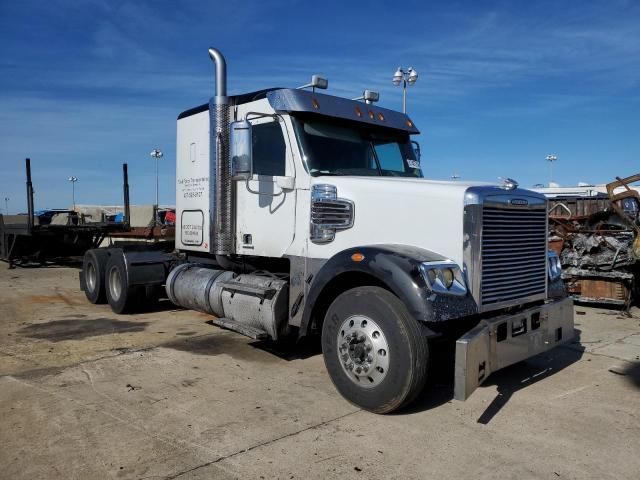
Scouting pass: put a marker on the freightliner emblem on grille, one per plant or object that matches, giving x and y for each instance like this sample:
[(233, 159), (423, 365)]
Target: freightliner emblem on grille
[(519, 201)]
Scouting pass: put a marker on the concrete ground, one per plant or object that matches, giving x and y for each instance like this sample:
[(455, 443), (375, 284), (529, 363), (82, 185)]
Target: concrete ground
[(85, 394)]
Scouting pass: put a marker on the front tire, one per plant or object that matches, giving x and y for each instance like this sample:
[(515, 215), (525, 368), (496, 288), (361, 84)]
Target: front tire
[(122, 298), (375, 352)]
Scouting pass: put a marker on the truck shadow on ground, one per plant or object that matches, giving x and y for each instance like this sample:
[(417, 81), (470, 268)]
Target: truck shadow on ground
[(79, 328), (306, 347), (240, 346), (157, 306), (516, 377), (231, 344), (63, 262), (439, 389), (508, 380), (632, 373)]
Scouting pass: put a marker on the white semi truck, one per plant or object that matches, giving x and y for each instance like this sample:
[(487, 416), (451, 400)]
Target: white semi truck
[(302, 213)]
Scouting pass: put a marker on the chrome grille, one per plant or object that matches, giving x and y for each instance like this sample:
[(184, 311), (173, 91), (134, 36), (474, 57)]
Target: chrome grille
[(332, 214), (514, 250)]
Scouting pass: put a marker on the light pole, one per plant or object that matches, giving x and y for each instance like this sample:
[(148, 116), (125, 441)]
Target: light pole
[(73, 181), (157, 154), (551, 158), (6, 205), (408, 76)]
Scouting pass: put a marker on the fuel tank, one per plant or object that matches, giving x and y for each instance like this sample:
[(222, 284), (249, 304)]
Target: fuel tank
[(258, 301)]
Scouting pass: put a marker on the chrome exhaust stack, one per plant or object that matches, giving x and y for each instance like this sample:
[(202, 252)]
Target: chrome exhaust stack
[(221, 209)]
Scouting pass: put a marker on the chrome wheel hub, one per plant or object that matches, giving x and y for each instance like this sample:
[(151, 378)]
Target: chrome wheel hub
[(91, 277), (363, 351), (115, 284)]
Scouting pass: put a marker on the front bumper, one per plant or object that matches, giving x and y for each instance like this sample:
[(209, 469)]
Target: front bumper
[(502, 341)]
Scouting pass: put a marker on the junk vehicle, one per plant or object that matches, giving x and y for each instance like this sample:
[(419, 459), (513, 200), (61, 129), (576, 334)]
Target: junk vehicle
[(300, 213), (598, 239)]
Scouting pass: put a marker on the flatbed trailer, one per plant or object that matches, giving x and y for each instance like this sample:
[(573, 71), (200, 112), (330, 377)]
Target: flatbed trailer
[(24, 238)]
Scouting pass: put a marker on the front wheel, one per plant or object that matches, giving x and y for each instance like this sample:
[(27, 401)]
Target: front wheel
[(375, 352)]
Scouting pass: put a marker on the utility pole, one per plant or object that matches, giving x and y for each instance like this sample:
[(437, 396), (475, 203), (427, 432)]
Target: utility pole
[(408, 76), (73, 181), (157, 154)]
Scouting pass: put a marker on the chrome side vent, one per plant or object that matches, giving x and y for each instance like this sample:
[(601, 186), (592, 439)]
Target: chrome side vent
[(329, 213)]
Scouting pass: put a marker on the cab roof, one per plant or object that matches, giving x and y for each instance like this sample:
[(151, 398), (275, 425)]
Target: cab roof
[(305, 101)]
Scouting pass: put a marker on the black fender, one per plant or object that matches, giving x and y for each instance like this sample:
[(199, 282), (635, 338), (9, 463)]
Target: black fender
[(397, 268), (148, 267)]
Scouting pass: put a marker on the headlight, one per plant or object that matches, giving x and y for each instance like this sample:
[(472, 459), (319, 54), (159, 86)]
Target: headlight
[(448, 276), (555, 268), (444, 277)]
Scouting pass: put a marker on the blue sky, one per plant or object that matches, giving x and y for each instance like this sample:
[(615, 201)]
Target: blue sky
[(86, 84)]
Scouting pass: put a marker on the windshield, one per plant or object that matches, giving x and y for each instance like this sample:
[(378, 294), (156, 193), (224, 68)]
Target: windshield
[(346, 148)]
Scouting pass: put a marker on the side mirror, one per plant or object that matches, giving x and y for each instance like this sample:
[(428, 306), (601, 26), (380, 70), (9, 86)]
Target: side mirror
[(416, 148), (240, 150)]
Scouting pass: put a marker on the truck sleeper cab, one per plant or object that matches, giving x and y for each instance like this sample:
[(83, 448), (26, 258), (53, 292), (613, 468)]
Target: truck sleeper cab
[(302, 213)]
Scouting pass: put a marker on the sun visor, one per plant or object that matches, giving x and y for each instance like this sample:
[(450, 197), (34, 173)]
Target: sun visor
[(296, 100)]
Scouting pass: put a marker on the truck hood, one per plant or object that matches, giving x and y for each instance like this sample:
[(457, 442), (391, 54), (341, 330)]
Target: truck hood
[(407, 211)]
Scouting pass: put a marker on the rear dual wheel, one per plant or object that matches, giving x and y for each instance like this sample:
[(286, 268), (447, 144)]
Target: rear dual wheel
[(93, 268), (375, 352), (122, 297)]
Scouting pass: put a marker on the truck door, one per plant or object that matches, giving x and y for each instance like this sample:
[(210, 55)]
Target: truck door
[(265, 215)]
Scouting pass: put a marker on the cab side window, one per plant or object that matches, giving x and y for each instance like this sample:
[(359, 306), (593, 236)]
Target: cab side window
[(269, 149), (389, 156)]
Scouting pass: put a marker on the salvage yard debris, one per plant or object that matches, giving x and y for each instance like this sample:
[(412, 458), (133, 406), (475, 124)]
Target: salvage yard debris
[(598, 241)]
